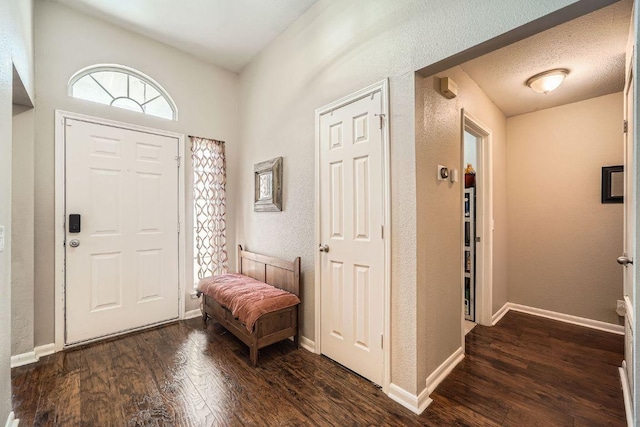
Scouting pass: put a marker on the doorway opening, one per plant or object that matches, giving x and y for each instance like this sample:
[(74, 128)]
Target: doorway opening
[(546, 152), (477, 214)]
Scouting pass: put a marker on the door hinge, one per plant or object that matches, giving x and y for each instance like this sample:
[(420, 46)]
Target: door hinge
[(625, 126), (382, 231), (381, 341), (179, 160), (178, 227), (381, 117)]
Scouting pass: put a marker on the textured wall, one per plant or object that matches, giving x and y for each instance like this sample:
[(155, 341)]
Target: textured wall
[(67, 41), (22, 268), (22, 46), (6, 71), (563, 243), (16, 47), (335, 48), (439, 141), (22, 212)]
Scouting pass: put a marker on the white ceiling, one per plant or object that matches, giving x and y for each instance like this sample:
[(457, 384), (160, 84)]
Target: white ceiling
[(591, 47), (228, 33)]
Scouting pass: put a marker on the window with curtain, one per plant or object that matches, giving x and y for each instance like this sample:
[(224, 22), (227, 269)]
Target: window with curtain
[(209, 207)]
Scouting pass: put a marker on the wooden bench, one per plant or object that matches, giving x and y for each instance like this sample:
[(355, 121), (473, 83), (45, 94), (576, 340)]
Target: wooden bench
[(271, 327)]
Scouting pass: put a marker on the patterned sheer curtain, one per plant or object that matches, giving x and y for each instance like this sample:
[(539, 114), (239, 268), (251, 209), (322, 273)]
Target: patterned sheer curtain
[(209, 207)]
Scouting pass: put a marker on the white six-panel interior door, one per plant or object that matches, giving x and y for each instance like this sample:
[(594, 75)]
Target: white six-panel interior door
[(124, 272), (630, 242), (629, 229), (352, 241)]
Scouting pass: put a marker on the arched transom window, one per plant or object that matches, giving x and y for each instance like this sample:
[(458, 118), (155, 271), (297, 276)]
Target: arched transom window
[(123, 87)]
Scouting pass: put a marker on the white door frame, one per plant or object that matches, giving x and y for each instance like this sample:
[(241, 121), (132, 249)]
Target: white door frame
[(59, 184), (635, 298), (484, 229), (383, 88)]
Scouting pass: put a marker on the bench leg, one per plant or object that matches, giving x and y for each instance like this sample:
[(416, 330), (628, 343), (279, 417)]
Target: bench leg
[(253, 354), (203, 310), (296, 340)]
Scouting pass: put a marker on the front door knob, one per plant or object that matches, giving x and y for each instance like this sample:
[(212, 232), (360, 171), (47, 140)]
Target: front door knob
[(74, 243), (324, 248), (624, 260)]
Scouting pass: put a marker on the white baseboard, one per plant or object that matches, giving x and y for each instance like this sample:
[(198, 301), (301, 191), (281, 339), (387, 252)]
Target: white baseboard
[(45, 350), (443, 370), (12, 421), (192, 314), (416, 404), (500, 314), (32, 356), (307, 344), (626, 392), (419, 403), (628, 311), (567, 318), (24, 359)]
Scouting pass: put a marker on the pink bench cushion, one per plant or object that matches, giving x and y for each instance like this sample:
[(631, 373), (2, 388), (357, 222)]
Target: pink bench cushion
[(246, 298)]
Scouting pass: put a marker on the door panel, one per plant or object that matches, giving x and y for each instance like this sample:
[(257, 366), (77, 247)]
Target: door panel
[(629, 222), (630, 213), (352, 271), (629, 190), (124, 272)]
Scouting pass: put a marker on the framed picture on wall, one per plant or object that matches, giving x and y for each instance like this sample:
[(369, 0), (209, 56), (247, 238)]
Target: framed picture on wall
[(612, 184), (268, 186)]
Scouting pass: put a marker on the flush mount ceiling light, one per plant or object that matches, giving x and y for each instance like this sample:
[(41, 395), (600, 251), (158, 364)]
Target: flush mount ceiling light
[(547, 81)]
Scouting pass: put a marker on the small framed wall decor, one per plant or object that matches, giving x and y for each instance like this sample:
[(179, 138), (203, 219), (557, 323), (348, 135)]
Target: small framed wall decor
[(612, 184), (268, 186)]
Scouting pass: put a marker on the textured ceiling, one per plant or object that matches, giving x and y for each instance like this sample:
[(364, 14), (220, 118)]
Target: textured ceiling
[(228, 33), (591, 47)]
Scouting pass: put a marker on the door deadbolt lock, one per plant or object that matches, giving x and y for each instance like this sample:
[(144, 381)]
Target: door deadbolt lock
[(74, 243), (74, 223), (324, 248)]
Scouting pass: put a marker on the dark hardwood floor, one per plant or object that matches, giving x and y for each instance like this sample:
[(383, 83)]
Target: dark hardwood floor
[(524, 371)]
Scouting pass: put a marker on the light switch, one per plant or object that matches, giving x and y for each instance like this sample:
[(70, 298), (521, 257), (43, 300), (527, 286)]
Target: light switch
[(1, 239)]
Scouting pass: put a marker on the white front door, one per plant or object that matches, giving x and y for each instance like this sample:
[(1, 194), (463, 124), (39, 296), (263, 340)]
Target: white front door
[(352, 243), (122, 267)]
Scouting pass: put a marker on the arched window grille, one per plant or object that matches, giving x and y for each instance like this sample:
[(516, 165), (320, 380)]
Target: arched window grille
[(123, 87)]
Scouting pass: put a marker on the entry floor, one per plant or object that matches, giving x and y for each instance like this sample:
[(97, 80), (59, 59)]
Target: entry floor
[(524, 371)]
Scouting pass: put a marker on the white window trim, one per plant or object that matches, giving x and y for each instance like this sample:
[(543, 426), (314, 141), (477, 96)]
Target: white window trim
[(126, 70)]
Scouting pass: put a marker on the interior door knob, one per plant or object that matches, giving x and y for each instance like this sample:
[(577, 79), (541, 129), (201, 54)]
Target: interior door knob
[(624, 260), (324, 248)]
